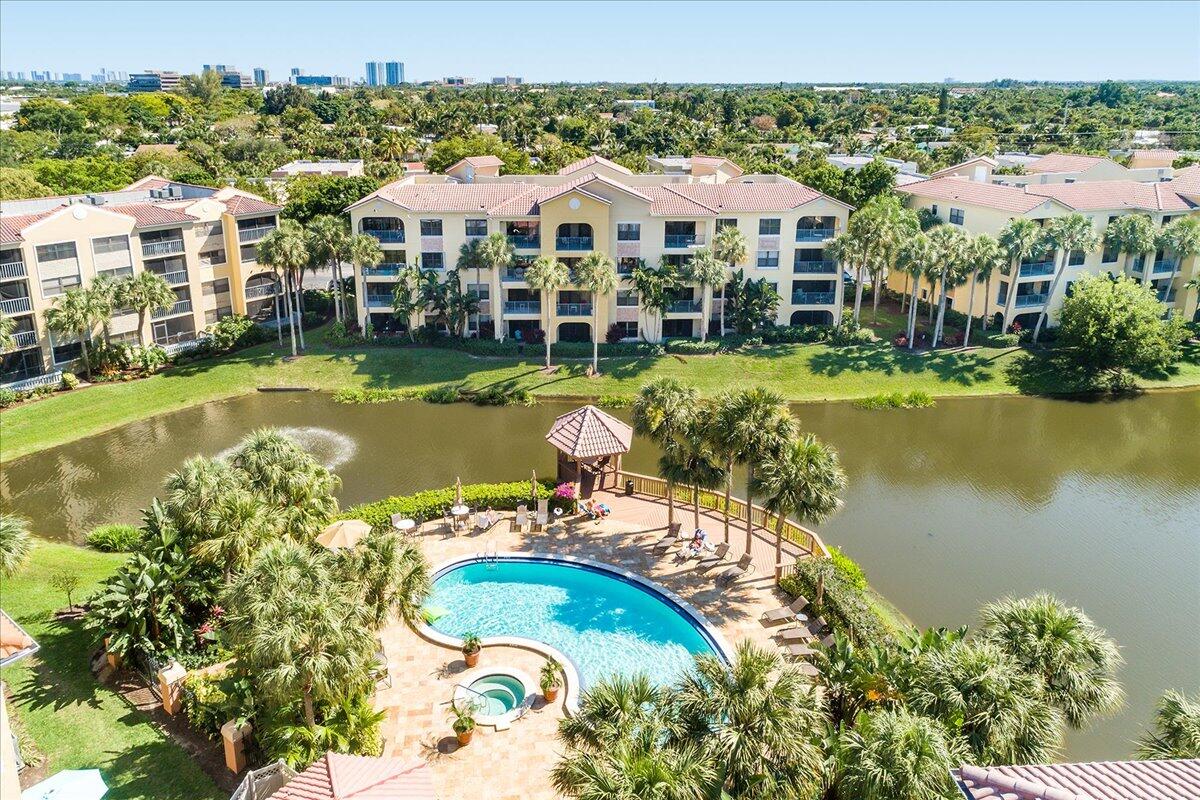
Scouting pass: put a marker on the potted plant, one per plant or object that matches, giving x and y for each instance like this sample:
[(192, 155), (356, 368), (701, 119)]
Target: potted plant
[(551, 680), (464, 722), (470, 649)]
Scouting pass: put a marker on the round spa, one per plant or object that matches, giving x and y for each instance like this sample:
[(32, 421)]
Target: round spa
[(497, 695)]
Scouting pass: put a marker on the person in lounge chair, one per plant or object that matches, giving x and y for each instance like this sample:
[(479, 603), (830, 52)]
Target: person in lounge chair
[(491, 516), (696, 547)]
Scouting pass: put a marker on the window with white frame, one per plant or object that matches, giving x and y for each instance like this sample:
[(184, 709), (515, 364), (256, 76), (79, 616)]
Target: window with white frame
[(431, 227), (768, 227), (475, 227), (211, 258), (768, 259), (629, 231)]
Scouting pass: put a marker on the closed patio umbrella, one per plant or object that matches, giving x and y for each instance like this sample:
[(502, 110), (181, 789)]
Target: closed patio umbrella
[(457, 491), (70, 784), (533, 485), (344, 534)]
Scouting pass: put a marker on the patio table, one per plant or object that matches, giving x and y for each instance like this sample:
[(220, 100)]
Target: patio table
[(459, 512), (406, 525)]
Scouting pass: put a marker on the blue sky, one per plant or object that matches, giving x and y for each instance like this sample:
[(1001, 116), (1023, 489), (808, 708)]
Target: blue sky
[(686, 41)]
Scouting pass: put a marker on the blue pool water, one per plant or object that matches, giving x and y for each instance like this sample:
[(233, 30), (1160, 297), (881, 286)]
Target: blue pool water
[(604, 624)]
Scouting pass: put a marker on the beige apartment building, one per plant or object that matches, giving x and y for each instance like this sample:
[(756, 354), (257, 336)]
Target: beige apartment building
[(982, 207), (598, 205), (201, 240), (1059, 168)]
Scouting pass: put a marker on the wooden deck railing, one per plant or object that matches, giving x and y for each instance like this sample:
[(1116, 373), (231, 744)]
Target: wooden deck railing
[(651, 486)]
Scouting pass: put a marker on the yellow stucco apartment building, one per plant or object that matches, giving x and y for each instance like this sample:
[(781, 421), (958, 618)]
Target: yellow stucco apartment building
[(598, 205), (201, 240)]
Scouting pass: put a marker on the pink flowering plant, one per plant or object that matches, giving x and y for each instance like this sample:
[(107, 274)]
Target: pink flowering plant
[(565, 491)]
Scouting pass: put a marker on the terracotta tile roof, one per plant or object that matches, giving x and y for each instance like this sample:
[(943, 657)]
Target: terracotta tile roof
[(11, 227), (244, 204), (477, 161), (1157, 152), (734, 197), (584, 163), (589, 433), (147, 214), (991, 195), (667, 202), (717, 161), (591, 177), (1186, 181), (341, 777), (1106, 195), (148, 182), (479, 197), (1098, 780), (1064, 162)]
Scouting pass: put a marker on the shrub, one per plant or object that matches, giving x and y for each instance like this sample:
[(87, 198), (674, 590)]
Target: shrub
[(339, 336), (900, 340), (752, 341), (536, 336), (615, 401), (914, 399), (364, 396), (504, 394), (797, 334), (614, 334), (848, 568), (431, 503), (8, 397), (212, 699), (850, 334), (442, 395), (693, 347), (1002, 340), (114, 538), (148, 359), (69, 381), (844, 606), (233, 333)]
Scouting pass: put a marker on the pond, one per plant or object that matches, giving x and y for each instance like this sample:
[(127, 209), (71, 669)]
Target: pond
[(948, 508)]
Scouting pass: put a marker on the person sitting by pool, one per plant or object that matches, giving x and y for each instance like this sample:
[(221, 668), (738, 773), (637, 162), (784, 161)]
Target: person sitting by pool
[(696, 546), (596, 510), (491, 516)]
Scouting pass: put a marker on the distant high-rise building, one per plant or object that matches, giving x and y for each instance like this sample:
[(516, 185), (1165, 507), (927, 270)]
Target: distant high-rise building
[(375, 75), (261, 76), (508, 80), (296, 72), (75, 77), (456, 80), (320, 80), (394, 73), (385, 73), (153, 81)]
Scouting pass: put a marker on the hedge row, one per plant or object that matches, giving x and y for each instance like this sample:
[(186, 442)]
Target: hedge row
[(433, 502), (844, 605)]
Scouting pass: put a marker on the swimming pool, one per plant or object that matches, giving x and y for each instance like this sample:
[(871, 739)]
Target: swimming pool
[(604, 622)]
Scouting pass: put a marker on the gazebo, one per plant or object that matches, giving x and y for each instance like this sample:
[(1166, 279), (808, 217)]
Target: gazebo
[(590, 444)]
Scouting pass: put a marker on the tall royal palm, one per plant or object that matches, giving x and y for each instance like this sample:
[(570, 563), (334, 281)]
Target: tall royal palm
[(469, 259), (145, 292), (1131, 235), (730, 247), (77, 312), (886, 227), (950, 243), (802, 479), (361, 250), (984, 256), (664, 410), (852, 248), (547, 274), (653, 287), (707, 270), (763, 426), (597, 273), (1182, 237), (1066, 235), (1021, 239), (496, 254), (285, 251), (916, 258), (692, 460)]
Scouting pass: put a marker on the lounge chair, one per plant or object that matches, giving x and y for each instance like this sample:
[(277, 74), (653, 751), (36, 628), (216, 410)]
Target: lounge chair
[(713, 559), (808, 669), (543, 514), (744, 567), (669, 539), (522, 518), (828, 641), (799, 650), (786, 613), (794, 635)]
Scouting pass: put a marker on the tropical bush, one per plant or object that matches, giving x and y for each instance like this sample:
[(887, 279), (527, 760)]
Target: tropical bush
[(615, 401), (913, 399), (1176, 732), (351, 726), (848, 568), (1005, 340), (369, 395), (431, 503), (210, 699), (114, 538), (8, 398), (504, 394), (614, 334), (843, 604), (15, 543), (234, 333), (693, 347), (69, 381), (442, 395)]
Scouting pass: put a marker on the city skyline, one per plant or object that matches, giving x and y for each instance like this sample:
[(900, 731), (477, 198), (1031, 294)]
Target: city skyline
[(774, 42)]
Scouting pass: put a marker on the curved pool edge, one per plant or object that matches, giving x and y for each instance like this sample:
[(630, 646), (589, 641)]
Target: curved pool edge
[(571, 688)]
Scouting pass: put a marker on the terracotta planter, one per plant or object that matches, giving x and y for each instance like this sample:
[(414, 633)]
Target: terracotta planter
[(464, 738), (472, 658), (551, 694)]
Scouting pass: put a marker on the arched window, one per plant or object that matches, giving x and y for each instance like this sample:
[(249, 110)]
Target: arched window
[(573, 236)]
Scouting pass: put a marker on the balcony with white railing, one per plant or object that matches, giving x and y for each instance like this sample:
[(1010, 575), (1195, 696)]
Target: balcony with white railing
[(264, 290), (379, 301), (573, 242), (174, 278), (812, 298), (813, 234), (25, 384), (685, 307), (1027, 300), (383, 271), (682, 240), (522, 307), (574, 309), (254, 234), (12, 269), (1036, 269), (180, 307), (16, 305), (815, 267), (24, 339), (165, 247), (1166, 266)]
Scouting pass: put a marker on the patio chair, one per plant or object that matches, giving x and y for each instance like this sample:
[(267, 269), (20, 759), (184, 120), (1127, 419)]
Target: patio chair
[(714, 558), (744, 567), (786, 613), (799, 650), (808, 669), (669, 539), (521, 519), (481, 522), (795, 635), (828, 641), (543, 514)]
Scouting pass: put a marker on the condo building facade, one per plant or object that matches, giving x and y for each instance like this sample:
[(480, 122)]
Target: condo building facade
[(966, 196), (598, 205), (201, 240)]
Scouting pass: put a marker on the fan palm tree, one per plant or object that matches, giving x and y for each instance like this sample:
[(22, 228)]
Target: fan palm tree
[(468, 258), (392, 576), (1176, 731), (77, 312), (547, 274), (801, 479), (886, 227), (597, 273), (7, 326), (664, 409), (496, 254), (244, 525), (362, 250), (1075, 659), (1129, 235), (145, 292), (611, 710), (654, 287), (916, 258), (406, 297), (328, 239), (691, 460), (762, 425), (983, 257), (194, 493), (300, 490), (103, 290), (707, 270), (1065, 234), (755, 717), (895, 755), (15, 543), (1183, 237), (730, 247), (285, 251), (1020, 240)]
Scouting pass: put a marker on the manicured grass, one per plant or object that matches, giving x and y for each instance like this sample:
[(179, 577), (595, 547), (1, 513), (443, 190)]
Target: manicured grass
[(799, 372), (74, 721)]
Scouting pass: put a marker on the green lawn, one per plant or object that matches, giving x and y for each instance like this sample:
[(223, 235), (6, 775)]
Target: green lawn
[(74, 721), (800, 372)]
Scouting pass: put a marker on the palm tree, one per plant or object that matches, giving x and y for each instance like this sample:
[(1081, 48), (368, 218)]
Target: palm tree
[(729, 246), (194, 493), (392, 576), (77, 312), (406, 299), (950, 244), (103, 290), (852, 247), (1074, 658), (362, 250), (1132, 234), (1021, 239), (802, 479), (664, 409), (145, 292), (692, 460), (328, 238), (7, 326), (1065, 234), (983, 257), (1183, 237), (707, 270), (654, 287), (886, 227), (611, 710), (286, 251), (1176, 731), (916, 258), (468, 258), (895, 755), (243, 524), (762, 426), (300, 490), (755, 717), (15, 543), (299, 630), (547, 274), (597, 273), (495, 253)]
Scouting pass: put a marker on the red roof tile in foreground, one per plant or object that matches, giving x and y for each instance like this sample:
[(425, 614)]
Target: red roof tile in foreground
[(147, 214), (590, 433), (1063, 162), (591, 161), (1098, 780), (1186, 181), (11, 227), (991, 195), (341, 777), (1112, 195)]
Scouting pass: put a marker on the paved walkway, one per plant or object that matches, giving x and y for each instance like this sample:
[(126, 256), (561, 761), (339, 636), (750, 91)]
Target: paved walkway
[(515, 763)]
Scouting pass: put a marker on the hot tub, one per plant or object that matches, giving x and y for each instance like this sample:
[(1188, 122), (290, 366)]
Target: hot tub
[(498, 694)]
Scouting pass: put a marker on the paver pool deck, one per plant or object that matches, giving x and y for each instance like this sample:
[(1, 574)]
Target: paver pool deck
[(515, 763)]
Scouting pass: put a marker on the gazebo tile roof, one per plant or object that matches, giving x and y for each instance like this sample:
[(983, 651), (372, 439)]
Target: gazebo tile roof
[(589, 433)]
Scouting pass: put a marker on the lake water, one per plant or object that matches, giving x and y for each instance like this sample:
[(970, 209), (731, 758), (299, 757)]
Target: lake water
[(947, 508)]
